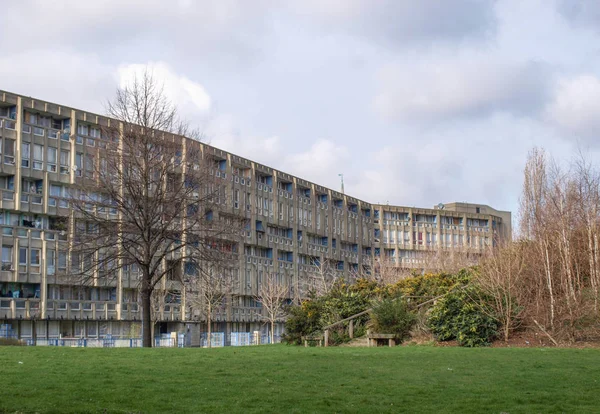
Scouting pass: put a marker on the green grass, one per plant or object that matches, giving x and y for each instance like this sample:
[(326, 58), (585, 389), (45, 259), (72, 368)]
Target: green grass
[(300, 380)]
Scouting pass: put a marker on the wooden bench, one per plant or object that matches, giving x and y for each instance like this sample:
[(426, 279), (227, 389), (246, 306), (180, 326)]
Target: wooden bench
[(374, 338), (312, 338)]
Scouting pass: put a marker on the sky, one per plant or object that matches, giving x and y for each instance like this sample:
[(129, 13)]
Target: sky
[(414, 102)]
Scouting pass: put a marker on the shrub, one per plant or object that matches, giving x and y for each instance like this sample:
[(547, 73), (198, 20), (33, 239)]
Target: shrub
[(342, 301), (430, 284), (302, 320), (392, 316), (11, 342), (459, 316)]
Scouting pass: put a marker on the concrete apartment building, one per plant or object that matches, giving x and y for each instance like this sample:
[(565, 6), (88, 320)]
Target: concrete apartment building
[(294, 223), (408, 237)]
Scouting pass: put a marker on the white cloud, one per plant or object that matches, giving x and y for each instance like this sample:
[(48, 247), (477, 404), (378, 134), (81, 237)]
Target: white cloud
[(138, 29), (321, 162), (473, 160), (297, 82), (191, 98), (224, 132), (583, 12), (459, 87), (576, 108), (22, 73), (402, 23)]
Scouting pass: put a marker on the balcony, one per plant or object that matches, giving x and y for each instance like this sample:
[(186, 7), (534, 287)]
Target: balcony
[(8, 195), (130, 311), (8, 124), (246, 314), (81, 309), (19, 308)]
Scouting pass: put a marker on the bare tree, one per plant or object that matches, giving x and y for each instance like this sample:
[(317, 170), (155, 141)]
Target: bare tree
[(533, 216), (322, 278), (272, 295), (589, 211), (559, 225), (145, 196), (387, 272), (501, 279), (208, 288)]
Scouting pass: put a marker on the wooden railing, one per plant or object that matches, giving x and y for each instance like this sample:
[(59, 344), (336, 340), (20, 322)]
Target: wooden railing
[(350, 319)]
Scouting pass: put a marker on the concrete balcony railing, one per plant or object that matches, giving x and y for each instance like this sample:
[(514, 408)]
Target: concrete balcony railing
[(33, 233), (169, 312), (79, 309), (130, 311), (246, 314), (19, 308)]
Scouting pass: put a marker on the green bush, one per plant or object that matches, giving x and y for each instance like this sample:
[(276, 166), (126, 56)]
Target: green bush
[(11, 342), (459, 316), (342, 301), (430, 284), (392, 316), (302, 320)]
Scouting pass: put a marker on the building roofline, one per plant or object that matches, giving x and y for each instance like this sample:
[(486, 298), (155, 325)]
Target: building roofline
[(71, 108)]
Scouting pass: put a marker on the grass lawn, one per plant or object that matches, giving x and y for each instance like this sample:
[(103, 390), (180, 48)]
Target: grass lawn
[(300, 380)]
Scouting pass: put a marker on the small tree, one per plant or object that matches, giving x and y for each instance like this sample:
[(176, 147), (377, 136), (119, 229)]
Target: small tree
[(500, 280), (272, 295), (323, 277), (208, 288), (392, 316), (387, 272)]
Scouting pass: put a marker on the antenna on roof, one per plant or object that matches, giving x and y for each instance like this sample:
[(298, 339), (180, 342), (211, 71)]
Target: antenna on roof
[(342, 181)]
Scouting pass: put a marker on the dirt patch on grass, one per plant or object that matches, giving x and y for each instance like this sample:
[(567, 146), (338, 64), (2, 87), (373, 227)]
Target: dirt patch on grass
[(523, 340)]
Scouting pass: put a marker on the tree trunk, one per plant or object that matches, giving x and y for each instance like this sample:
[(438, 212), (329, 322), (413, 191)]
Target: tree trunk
[(549, 281), (272, 331), (209, 327), (146, 318)]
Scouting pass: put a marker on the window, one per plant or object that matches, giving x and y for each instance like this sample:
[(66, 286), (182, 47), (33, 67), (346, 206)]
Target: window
[(7, 257), (9, 151), (25, 153), (65, 161), (50, 262), (38, 156), (23, 256), (35, 260), (51, 160), (62, 260), (78, 164), (31, 118), (38, 131), (8, 183), (82, 129), (55, 190), (89, 165), (248, 278)]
